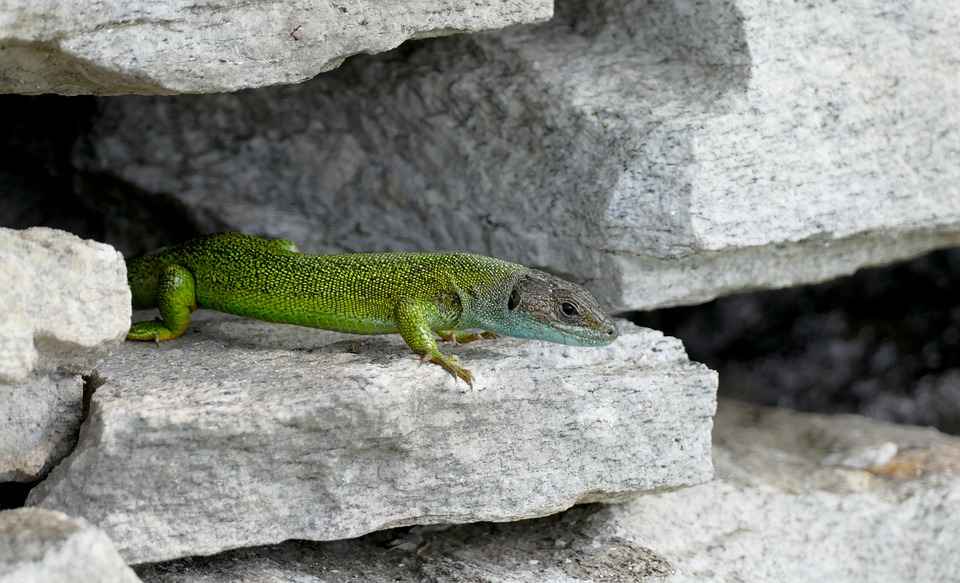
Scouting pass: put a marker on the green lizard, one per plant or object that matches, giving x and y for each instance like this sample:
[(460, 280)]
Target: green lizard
[(414, 294)]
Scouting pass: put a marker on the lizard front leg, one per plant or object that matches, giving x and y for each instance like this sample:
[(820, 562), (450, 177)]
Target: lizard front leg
[(176, 299), (413, 323)]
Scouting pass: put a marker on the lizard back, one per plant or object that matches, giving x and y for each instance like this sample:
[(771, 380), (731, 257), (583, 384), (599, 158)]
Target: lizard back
[(265, 279)]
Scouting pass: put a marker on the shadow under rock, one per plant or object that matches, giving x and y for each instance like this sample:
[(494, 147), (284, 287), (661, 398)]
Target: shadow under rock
[(563, 545), (14, 494), (884, 342), (41, 186)]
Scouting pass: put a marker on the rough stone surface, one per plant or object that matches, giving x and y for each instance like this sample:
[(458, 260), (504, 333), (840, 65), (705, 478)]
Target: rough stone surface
[(65, 300), (113, 47), (782, 509), (39, 422), (246, 433), (662, 153), (778, 512), (40, 546)]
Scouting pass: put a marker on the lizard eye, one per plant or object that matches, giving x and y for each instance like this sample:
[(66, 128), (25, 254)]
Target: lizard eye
[(514, 300), (570, 310)]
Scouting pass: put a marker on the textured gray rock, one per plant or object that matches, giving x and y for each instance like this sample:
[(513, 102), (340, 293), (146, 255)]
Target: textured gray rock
[(40, 546), (52, 46), (662, 153), (245, 433), (777, 512), (65, 302), (39, 423), (804, 497)]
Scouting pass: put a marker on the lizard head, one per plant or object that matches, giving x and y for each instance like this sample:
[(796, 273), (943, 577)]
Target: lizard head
[(545, 307)]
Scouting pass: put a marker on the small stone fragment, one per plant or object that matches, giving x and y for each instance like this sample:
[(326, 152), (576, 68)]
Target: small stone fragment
[(64, 302), (39, 423), (41, 546), (863, 458)]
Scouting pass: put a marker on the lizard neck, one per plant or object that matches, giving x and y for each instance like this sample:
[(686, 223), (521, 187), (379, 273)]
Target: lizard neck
[(484, 292)]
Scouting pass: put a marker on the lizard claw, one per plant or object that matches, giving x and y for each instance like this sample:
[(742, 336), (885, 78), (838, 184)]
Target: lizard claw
[(449, 364)]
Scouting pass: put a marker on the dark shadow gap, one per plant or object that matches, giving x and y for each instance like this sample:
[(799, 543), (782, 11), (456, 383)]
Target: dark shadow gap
[(883, 342), (14, 494)]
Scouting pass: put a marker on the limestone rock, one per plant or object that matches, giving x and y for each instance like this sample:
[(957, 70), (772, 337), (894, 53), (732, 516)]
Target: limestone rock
[(783, 510), (246, 433), (776, 513), (53, 46), (65, 301), (39, 423), (662, 153), (40, 546)]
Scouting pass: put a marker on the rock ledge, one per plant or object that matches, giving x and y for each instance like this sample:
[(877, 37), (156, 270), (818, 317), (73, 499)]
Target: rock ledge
[(245, 433)]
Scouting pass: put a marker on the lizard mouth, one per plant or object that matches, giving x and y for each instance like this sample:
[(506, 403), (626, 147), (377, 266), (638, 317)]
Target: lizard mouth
[(605, 333)]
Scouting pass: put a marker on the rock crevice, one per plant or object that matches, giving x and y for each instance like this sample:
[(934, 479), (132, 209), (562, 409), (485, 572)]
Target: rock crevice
[(144, 47)]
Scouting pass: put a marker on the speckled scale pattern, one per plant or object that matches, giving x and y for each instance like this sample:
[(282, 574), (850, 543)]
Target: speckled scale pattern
[(414, 294), (357, 293)]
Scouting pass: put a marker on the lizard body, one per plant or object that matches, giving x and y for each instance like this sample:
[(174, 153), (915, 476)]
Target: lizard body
[(413, 294)]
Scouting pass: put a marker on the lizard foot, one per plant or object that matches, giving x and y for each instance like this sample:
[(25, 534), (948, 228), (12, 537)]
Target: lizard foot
[(464, 337), (449, 364), (150, 332)]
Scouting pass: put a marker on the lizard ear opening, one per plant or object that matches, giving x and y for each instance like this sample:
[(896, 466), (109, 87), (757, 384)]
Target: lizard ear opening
[(514, 300)]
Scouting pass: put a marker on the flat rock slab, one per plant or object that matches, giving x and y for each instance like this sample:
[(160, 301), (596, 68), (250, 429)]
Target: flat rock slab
[(246, 433), (41, 546), (147, 47), (661, 153), (799, 498)]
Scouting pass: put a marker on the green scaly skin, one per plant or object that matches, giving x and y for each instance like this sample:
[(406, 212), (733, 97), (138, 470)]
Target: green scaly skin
[(418, 295)]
